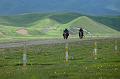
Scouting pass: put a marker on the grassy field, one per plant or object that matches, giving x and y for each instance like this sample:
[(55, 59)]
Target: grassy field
[(48, 61)]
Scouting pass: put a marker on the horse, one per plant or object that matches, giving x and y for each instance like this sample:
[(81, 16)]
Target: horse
[(81, 35), (65, 35)]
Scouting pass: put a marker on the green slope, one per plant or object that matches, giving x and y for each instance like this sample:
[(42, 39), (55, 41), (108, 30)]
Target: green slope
[(91, 26), (8, 31), (65, 17), (53, 24), (88, 24), (43, 26), (111, 21), (24, 20), (21, 20)]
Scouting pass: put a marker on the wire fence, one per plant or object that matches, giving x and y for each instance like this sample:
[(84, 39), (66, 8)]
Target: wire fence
[(78, 53), (21, 52)]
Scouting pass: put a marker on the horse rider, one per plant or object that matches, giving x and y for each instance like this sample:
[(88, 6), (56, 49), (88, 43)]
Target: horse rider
[(81, 33), (66, 32)]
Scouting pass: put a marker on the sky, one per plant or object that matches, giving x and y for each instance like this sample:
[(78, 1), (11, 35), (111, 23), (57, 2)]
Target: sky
[(83, 6)]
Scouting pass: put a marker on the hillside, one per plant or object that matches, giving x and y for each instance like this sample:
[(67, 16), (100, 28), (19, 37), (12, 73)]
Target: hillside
[(21, 20), (53, 24), (111, 21), (92, 26)]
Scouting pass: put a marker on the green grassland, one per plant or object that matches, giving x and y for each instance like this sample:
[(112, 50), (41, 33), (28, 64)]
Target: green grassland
[(53, 24), (48, 61)]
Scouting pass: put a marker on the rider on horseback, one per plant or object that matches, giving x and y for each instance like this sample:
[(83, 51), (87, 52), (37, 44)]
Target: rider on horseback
[(65, 33), (81, 33)]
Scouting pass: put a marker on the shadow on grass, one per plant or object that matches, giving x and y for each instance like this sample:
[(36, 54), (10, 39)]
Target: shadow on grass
[(33, 64)]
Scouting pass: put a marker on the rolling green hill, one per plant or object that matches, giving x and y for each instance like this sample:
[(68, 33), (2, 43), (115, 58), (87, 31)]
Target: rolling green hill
[(21, 20), (92, 26), (65, 17), (53, 24), (111, 21)]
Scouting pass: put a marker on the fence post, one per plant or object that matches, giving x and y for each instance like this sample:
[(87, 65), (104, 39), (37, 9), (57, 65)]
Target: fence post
[(116, 48), (95, 50), (66, 53), (25, 55)]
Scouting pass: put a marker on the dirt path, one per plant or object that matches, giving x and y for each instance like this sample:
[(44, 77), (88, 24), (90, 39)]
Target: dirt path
[(48, 41), (35, 42)]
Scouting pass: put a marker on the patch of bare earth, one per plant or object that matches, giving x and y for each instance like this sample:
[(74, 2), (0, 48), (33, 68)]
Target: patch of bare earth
[(22, 31)]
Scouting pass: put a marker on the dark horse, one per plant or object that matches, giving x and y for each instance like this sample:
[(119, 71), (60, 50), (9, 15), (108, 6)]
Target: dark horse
[(80, 35), (65, 35)]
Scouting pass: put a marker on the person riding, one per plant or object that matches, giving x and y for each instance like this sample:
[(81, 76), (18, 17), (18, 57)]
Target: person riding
[(81, 33), (65, 33)]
